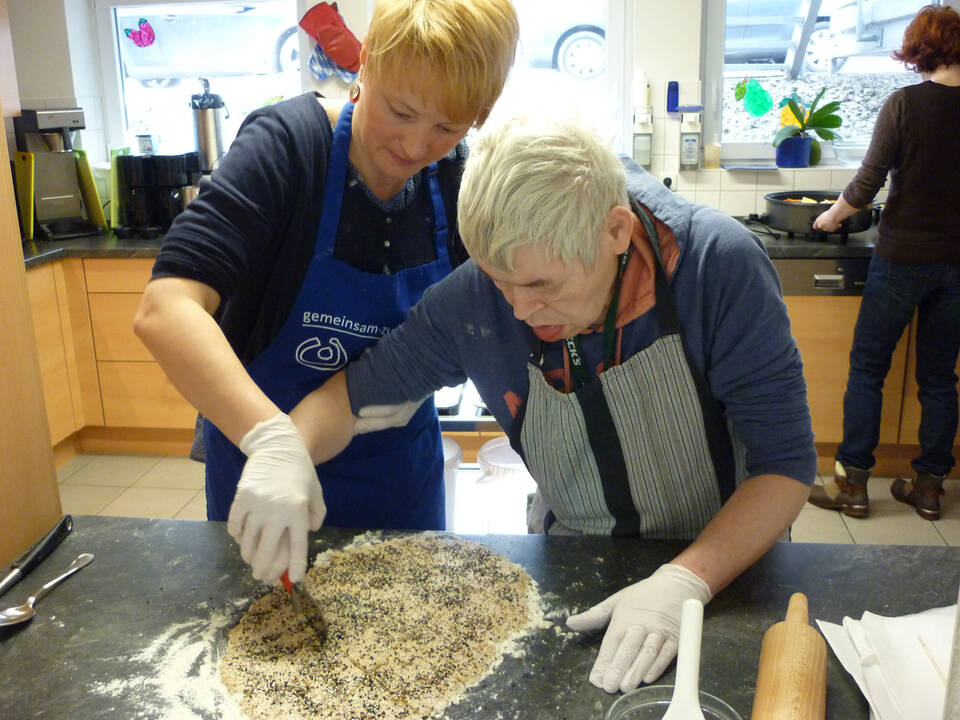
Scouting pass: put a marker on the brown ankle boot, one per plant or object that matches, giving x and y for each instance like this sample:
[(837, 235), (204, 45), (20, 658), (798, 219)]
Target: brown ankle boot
[(923, 493), (847, 492)]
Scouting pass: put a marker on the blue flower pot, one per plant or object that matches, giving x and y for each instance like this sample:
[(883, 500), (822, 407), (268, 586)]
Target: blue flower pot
[(794, 152)]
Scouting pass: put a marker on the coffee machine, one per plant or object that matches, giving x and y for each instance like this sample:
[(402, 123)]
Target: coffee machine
[(53, 184), (151, 191)]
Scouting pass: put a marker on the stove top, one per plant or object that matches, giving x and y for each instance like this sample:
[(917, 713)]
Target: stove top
[(757, 225), (781, 244)]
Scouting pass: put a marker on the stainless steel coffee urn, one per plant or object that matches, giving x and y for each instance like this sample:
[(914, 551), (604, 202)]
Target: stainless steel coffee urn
[(206, 124)]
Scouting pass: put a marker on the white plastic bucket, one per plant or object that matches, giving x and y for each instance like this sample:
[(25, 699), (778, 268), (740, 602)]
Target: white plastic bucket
[(504, 484), (452, 455)]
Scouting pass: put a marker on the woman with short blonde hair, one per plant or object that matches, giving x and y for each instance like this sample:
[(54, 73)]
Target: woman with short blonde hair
[(322, 226)]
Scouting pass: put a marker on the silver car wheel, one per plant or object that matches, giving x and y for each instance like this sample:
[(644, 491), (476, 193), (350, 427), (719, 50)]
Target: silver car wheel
[(582, 54)]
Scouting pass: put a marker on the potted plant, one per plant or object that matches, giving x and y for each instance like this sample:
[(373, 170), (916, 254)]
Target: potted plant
[(796, 147)]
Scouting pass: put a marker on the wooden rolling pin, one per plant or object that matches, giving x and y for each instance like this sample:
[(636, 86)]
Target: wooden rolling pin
[(792, 677)]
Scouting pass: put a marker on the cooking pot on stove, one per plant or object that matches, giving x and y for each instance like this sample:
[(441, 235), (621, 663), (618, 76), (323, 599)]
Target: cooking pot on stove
[(783, 213)]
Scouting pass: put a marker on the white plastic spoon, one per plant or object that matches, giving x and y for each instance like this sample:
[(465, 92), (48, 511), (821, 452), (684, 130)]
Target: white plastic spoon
[(685, 703)]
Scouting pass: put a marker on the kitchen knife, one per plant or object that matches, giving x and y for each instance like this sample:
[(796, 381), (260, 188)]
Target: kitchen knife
[(305, 605), (32, 557)]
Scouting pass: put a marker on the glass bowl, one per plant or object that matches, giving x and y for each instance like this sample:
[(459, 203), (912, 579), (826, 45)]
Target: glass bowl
[(651, 702)]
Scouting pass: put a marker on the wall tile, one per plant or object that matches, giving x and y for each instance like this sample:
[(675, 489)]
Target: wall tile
[(659, 131), (690, 194), (775, 180), (709, 179), (739, 180), (708, 197), (92, 112), (761, 206), (671, 137), (840, 178), (95, 143), (805, 179), (687, 180), (738, 202)]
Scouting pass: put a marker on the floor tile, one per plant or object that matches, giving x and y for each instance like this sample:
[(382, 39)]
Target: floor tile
[(113, 470), (949, 528), (149, 502), (196, 509), (86, 499), (815, 524), (72, 465), (881, 501), (174, 472), (893, 528)]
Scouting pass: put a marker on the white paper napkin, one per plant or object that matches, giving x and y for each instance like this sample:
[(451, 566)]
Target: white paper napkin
[(899, 663)]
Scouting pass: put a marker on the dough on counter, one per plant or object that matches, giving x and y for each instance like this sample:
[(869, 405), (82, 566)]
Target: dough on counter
[(413, 621)]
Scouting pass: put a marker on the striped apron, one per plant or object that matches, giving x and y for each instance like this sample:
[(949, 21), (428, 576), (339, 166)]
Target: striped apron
[(643, 450)]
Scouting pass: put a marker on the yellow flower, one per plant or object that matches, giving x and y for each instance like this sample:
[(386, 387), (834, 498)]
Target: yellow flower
[(788, 118)]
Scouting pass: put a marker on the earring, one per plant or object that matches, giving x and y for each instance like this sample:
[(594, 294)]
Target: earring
[(355, 91)]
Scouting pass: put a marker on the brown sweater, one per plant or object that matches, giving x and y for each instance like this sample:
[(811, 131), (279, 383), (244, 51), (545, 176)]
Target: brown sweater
[(917, 140)]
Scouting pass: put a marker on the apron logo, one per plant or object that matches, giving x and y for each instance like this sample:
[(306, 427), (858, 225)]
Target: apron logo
[(314, 354)]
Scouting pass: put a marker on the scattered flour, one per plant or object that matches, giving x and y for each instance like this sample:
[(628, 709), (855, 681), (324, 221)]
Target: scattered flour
[(175, 677)]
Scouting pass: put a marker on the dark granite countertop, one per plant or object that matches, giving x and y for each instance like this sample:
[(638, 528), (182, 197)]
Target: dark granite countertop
[(111, 641), (107, 245), (785, 247)]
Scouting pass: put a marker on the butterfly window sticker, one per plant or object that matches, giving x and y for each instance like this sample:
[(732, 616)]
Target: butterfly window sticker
[(143, 36)]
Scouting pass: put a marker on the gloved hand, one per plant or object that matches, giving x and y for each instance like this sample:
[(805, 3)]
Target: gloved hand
[(381, 417), (644, 630), (278, 501)]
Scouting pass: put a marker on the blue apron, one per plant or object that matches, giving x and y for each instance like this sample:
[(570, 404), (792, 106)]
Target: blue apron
[(387, 479)]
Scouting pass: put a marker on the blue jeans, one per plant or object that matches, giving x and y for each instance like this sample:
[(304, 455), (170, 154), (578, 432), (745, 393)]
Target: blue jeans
[(892, 293)]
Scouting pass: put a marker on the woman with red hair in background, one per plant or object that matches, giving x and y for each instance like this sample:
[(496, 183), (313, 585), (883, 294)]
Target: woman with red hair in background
[(915, 267)]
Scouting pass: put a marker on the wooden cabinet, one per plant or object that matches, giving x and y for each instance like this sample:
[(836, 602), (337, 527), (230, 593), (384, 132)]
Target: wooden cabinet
[(30, 502), (134, 390), (50, 346), (823, 328), (910, 417)]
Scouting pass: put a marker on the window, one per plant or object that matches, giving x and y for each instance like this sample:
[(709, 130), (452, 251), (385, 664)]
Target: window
[(248, 52), (801, 46)]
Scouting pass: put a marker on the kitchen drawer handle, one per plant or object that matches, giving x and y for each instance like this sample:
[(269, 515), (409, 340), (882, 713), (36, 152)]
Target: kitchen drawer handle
[(828, 282)]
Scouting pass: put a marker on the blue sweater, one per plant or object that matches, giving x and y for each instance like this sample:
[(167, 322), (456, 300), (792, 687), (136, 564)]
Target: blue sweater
[(733, 319)]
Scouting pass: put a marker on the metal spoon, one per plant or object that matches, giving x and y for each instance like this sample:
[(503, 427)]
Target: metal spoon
[(22, 613), (685, 704)]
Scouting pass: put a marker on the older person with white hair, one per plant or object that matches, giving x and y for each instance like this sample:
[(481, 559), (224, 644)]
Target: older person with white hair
[(635, 347)]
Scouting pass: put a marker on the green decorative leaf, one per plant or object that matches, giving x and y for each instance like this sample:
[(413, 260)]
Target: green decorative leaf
[(740, 90), (785, 132)]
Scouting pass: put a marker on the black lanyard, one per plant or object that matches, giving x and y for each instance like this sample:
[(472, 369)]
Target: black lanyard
[(581, 376)]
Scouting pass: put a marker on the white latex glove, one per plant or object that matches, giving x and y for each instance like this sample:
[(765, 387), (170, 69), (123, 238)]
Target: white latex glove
[(381, 417), (278, 501), (644, 630)]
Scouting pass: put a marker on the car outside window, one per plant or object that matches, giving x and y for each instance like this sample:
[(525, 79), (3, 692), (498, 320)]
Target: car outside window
[(801, 46)]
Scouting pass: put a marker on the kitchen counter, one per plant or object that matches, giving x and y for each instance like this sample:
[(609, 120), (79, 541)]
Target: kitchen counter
[(107, 245), (858, 245), (135, 633)]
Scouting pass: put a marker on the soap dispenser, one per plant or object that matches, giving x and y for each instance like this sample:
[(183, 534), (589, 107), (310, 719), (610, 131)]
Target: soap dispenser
[(690, 129)]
